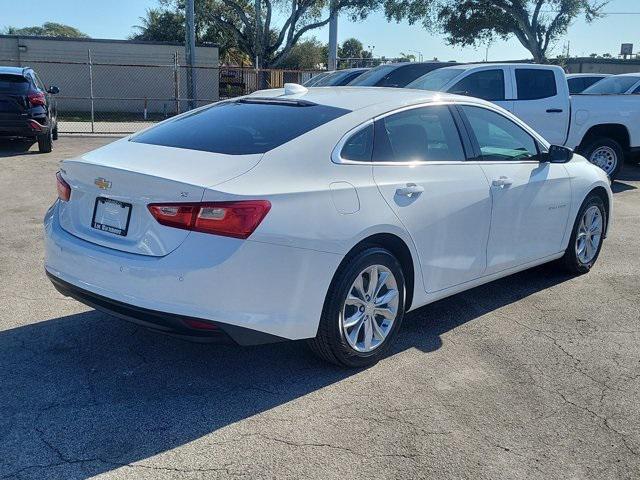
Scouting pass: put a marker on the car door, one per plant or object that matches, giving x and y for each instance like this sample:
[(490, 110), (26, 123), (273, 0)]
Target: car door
[(443, 202), (530, 199), (542, 101), (491, 84)]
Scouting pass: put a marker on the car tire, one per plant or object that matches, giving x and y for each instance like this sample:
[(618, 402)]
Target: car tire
[(54, 133), (362, 344), (606, 153), (573, 261), (45, 142)]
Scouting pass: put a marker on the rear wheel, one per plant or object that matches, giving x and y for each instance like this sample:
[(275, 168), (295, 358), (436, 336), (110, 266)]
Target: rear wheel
[(606, 154), (45, 142), (363, 310), (586, 238)]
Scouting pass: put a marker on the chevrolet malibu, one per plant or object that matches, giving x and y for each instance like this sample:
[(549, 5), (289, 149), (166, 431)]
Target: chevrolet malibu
[(319, 214)]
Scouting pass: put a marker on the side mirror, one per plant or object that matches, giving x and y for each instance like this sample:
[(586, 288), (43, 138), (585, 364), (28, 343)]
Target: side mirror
[(557, 154), (53, 90)]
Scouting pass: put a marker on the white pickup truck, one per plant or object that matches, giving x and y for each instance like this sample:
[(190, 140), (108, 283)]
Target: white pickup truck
[(603, 128)]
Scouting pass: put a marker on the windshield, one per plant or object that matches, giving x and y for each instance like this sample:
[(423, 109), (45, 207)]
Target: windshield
[(435, 80), (612, 86), (315, 79), (373, 76), (242, 127)]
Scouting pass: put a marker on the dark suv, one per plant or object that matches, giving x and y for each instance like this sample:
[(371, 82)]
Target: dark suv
[(27, 107)]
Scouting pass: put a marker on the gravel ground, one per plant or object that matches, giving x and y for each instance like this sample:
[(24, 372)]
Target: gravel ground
[(536, 376)]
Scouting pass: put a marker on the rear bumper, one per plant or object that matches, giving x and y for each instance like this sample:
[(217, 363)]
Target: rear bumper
[(255, 292), (164, 322), (21, 126)]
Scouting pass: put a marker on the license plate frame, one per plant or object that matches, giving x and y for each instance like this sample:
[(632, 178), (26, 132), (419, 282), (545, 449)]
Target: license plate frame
[(105, 227)]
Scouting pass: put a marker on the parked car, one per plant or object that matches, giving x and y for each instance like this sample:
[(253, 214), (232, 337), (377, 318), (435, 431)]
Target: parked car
[(27, 108), (601, 128), (396, 74), (316, 78), (579, 82), (340, 78), (253, 219), (624, 84)]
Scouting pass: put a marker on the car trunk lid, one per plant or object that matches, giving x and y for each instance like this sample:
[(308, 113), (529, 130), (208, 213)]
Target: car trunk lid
[(112, 186)]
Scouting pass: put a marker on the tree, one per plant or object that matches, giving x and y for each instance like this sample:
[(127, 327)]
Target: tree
[(351, 48), (48, 29), (306, 55), (269, 36), (535, 23)]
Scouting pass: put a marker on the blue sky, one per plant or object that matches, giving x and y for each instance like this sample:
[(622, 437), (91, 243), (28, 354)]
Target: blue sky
[(115, 19)]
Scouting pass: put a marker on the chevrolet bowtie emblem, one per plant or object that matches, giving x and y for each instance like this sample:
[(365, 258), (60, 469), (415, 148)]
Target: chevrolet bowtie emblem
[(102, 183)]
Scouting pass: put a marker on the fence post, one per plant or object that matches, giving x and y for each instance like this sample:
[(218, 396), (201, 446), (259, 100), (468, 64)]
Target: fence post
[(176, 82), (91, 91)]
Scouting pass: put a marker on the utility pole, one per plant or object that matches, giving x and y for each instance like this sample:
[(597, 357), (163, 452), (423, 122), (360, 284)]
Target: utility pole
[(190, 52), (258, 30), (333, 36)]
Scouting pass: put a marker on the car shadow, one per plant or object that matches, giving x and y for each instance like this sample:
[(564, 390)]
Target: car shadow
[(13, 148), (630, 172), (93, 391)]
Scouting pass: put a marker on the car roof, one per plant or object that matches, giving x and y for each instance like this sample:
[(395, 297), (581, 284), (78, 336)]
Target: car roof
[(469, 66), (636, 74), (576, 75), (356, 98), (13, 70)]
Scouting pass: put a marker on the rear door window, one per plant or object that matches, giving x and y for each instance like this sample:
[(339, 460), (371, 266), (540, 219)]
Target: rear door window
[(359, 146), (535, 83), (241, 127), (485, 84), (418, 135)]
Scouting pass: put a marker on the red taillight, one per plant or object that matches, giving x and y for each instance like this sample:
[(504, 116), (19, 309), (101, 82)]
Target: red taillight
[(35, 125), (37, 98), (231, 219), (64, 190)]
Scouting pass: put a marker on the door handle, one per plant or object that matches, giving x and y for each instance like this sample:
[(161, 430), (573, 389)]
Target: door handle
[(501, 182), (554, 110), (410, 190)]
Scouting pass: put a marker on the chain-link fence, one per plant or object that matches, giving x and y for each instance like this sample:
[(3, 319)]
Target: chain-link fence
[(124, 98)]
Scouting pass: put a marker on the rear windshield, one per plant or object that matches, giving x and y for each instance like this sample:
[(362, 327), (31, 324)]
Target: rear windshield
[(13, 83), (241, 127), (612, 86)]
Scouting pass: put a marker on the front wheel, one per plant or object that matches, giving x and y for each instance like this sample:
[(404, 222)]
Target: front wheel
[(586, 237), (363, 310)]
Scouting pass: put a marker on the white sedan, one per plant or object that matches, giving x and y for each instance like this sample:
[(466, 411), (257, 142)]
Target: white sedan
[(321, 214)]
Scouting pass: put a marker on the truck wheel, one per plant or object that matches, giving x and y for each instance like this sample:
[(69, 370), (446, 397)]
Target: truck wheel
[(606, 154), (45, 142)]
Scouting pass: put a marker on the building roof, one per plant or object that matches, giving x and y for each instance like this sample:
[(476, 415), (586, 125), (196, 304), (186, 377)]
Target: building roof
[(102, 40)]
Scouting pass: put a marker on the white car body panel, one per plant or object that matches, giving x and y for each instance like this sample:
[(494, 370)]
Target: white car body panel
[(276, 281)]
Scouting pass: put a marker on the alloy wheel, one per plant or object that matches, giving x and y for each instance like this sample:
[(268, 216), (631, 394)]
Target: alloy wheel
[(370, 309), (589, 235)]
